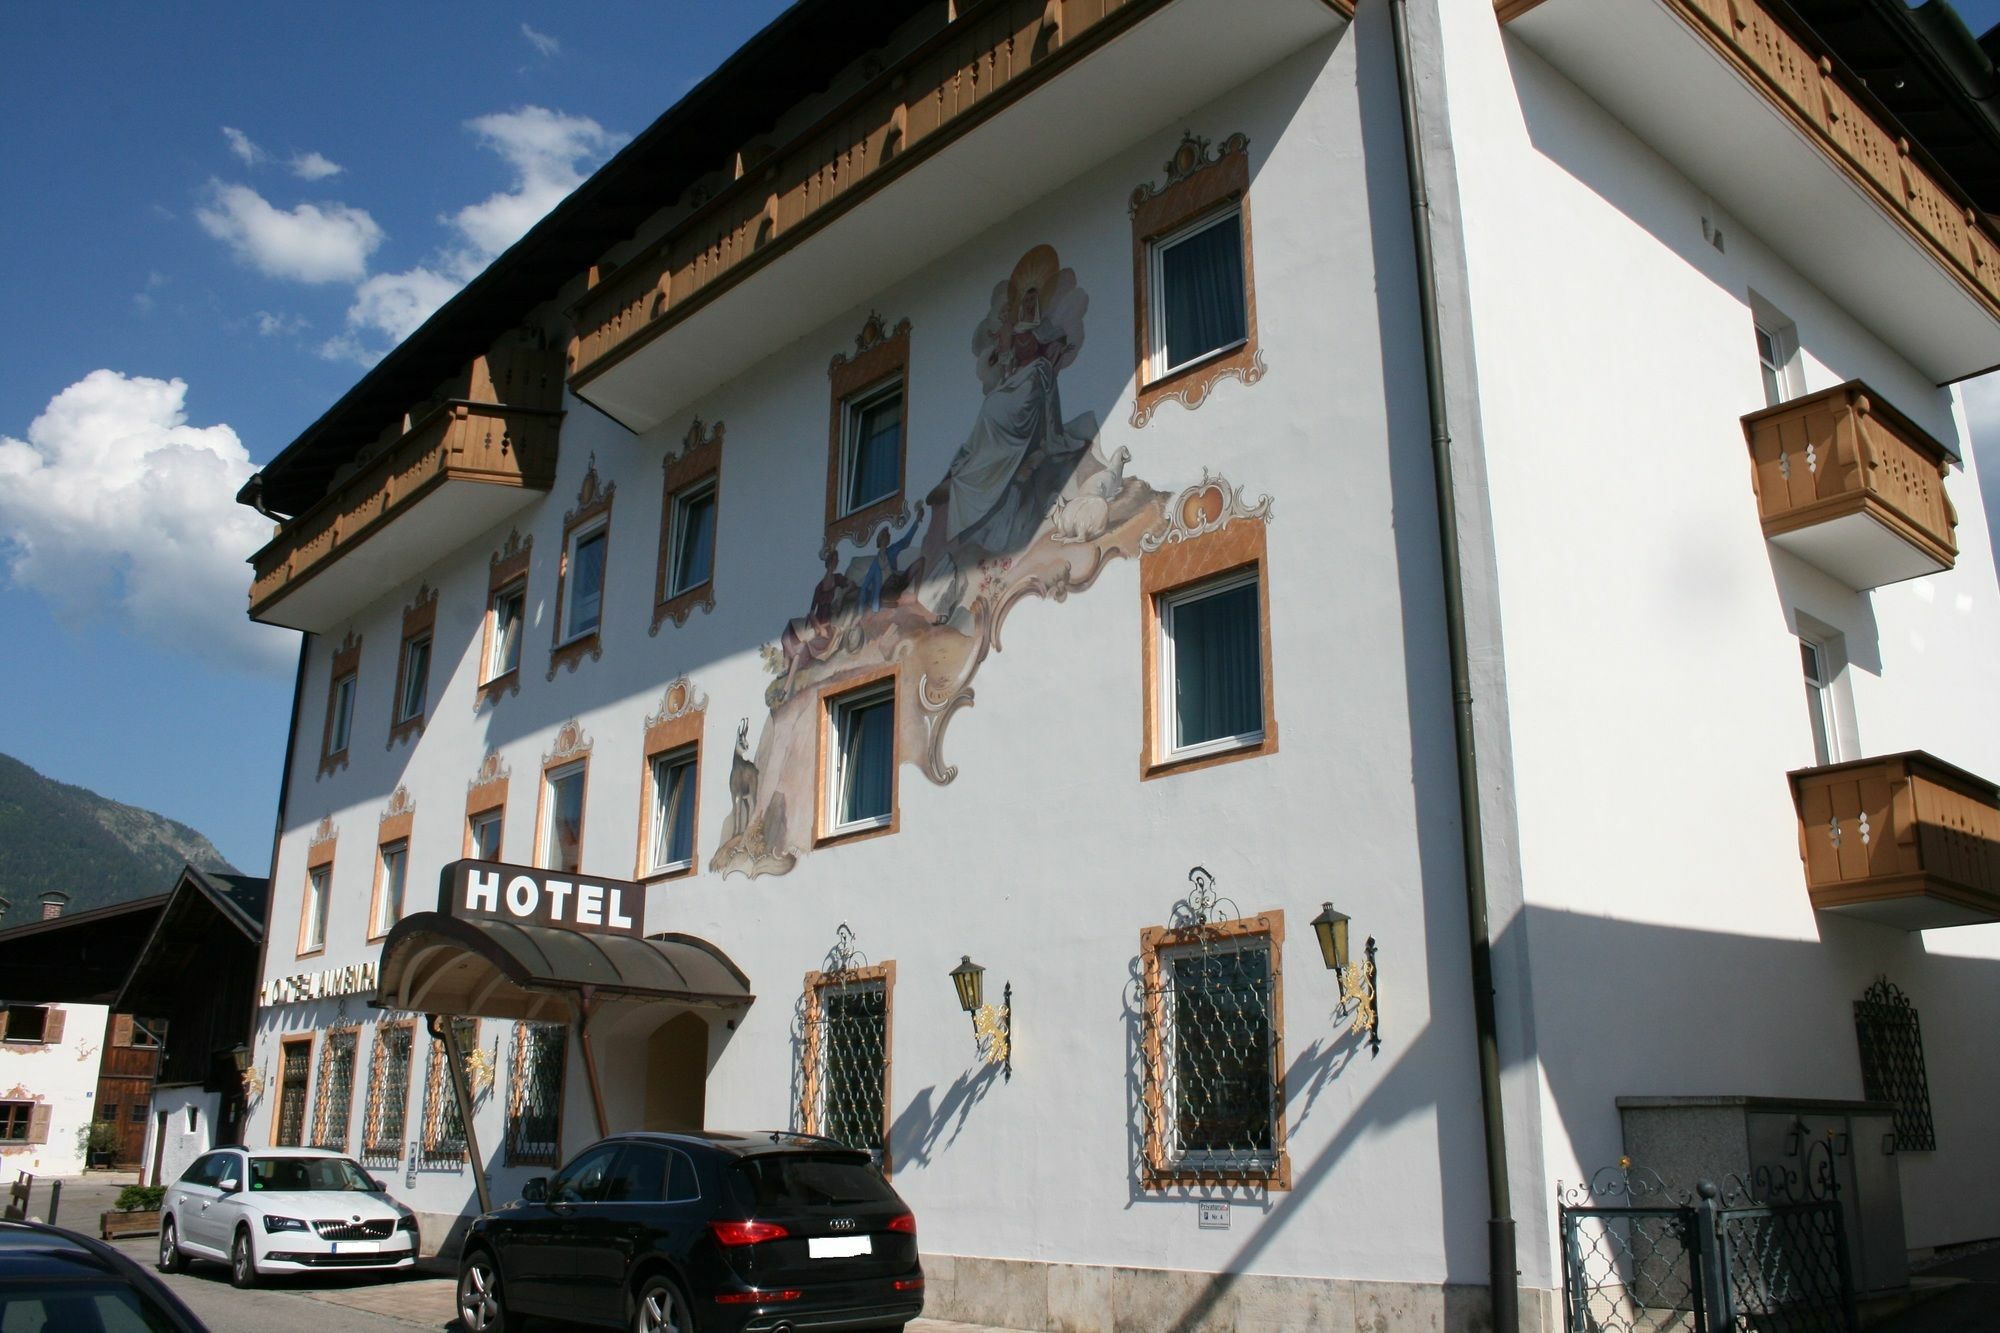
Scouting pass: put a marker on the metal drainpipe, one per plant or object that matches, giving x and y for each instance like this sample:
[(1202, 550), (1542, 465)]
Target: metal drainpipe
[(1504, 1278)]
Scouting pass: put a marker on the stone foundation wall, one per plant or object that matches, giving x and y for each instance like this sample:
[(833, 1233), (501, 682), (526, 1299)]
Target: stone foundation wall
[(1088, 1298)]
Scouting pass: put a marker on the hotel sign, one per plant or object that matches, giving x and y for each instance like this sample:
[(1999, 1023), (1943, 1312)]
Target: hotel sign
[(300, 986), (529, 896)]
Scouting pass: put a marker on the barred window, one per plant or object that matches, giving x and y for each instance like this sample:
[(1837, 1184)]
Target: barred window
[(1213, 1053), (295, 1060), (333, 1104), (535, 1094), (388, 1096), (1892, 1062), (846, 1058), (444, 1130)]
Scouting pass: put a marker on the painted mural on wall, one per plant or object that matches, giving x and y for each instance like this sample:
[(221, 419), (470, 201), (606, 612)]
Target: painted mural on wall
[(1030, 506)]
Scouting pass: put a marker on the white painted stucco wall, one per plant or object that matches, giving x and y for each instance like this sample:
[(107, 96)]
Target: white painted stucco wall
[(191, 1113), (63, 1076), (1654, 677)]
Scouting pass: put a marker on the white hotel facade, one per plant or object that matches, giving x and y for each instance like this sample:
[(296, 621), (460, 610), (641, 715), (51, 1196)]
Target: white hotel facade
[(968, 466)]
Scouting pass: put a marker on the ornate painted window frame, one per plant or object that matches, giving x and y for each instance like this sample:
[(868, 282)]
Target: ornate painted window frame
[(1156, 1171), (698, 463), (572, 748), (506, 571), (419, 622), (593, 511), (319, 856), (677, 726), (346, 666), (1198, 183), (397, 820), (831, 697), (1210, 533), (881, 355), (486, 792), (816, 984)]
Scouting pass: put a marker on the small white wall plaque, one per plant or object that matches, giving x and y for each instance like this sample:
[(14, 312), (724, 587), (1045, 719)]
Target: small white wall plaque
[(1215, 1217)]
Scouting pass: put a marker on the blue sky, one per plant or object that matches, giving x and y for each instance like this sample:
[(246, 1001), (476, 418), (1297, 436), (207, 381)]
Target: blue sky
[(250, 203), (216, 220)]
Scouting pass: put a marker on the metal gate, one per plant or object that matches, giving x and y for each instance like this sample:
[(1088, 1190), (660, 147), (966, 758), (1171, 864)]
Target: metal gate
[(1639, 1257)]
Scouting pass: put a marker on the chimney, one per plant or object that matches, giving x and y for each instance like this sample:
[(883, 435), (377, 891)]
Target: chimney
[(52, 904)]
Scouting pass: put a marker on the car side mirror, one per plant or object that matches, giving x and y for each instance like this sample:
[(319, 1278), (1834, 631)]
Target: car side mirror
[(536, 1190), (377, 1185), (229, 1184)]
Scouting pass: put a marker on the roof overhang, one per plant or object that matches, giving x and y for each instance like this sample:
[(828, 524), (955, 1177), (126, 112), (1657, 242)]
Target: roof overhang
[(440, 964), (201, 916), (1710, 108), (80, 958)]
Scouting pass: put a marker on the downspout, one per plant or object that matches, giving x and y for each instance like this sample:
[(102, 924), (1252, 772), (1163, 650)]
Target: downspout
[(1504, 1278)]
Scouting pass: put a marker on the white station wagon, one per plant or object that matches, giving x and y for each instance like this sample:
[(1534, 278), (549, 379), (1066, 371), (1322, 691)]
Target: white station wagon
[(282, 1210)]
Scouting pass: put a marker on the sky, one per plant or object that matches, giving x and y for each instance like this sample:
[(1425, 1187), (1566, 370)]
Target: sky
[(217, 218)]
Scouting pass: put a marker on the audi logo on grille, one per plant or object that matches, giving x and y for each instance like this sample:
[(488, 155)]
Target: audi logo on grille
[(841, 1224)]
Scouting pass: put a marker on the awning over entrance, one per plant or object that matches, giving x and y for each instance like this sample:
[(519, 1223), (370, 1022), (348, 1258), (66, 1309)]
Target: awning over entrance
[(441, 964)]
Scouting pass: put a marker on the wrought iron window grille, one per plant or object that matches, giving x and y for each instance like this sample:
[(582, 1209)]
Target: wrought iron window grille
[(333, 1102), (388, 1096), (443, 1141), (535, 1094), (296, 1059), (845, 1049), (1892, 1063)]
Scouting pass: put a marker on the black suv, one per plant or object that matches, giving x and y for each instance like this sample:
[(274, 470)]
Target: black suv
[(716, 1232)]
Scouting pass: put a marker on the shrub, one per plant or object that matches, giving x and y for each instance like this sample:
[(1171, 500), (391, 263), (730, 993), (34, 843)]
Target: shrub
[(140, 1198)]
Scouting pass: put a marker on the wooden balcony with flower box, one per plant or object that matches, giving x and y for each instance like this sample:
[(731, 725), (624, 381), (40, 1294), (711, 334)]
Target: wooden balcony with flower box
[(463, 465), (1906, 840), (1852, 486)]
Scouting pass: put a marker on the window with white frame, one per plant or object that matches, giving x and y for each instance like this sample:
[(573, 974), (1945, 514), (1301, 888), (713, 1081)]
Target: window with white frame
[(1777, 354), (693, 539), (341, 725), (1217, 1066), (1819, 673), (416, 678), (583, 583), (861, 774), (312, 932), (508, 613), (562, 817), (871, 455), (673, 783), (394, 877), (1211, 666), (484, 828), (1197, 304)]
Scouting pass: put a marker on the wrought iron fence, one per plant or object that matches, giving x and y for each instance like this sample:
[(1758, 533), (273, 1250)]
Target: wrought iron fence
[(333, 1104), (1892, 1062), (1639, 1257), (535, 1094), (388, 1096)]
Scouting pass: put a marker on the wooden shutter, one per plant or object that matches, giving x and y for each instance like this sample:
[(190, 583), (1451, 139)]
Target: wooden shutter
[(52, 1030), (121, 1029), (4, 1011), (38, 1123)]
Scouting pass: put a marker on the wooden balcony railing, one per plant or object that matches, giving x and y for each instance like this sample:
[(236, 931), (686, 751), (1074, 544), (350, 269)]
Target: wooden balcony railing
[(993, 53), (1843, 121), (1905, 839), (1843, 452), (456, 441)]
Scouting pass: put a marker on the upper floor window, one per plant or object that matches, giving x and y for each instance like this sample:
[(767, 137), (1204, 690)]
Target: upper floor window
[(31, 1023), (562, 817), (312, 926), (673, 786), (1212, 666), (860, 768), (416, 679), (343, 715), (1197, 303), (1819, 700), (391, 881), (693, 539), (483, 834), (413, 666), (583, 589), (340, 696), (690, 503), (506, 619), (580, 579), (1777, 352), (871, 457), (508, 613)]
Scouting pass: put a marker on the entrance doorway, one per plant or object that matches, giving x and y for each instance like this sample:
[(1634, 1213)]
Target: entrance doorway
[(677, 1074)]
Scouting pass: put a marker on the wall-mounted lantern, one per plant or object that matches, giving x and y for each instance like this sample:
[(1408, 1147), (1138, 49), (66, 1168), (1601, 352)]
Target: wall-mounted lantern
[(1357, 983), (992, 1029), (240, 1056)]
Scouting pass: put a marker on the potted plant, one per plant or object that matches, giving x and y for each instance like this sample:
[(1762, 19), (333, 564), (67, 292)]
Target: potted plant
[(97, 1143), (137, 1212)]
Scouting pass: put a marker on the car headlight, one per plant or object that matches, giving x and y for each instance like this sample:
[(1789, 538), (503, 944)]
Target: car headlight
[(272, 1224)]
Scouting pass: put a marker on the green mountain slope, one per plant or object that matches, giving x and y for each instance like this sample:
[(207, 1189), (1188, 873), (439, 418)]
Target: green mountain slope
[(99, 852)]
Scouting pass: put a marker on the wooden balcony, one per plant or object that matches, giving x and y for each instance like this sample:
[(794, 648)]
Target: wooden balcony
[(1905, 840), (1847, 483), (465, 464), (931, 105)]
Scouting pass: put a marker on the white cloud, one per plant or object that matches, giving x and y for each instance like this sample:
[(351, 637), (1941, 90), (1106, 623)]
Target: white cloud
[(240, 144), (309, 243), (114, 506), (142, 299), (314, 166), (541, 41), (548, 152), (279, 326), (391, 306)]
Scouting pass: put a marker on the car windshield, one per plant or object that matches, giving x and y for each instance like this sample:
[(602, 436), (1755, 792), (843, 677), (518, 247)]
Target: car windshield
[(289, 1175), (812, 1179), (79, 1305)]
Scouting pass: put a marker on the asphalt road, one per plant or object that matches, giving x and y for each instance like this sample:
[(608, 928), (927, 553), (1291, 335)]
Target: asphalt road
[(280, 1306)]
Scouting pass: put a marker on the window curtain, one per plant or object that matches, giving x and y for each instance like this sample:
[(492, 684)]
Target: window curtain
[(867, 762), (695, 561), (1202, 278), (586, 589), (878, 430), (1218, 667)]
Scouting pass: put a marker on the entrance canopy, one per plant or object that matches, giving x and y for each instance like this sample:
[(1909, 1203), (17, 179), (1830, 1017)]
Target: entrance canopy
[(441, 964)]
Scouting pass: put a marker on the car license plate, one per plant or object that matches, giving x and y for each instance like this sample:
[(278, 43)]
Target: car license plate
[(837, 1247), (357, 1247)]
